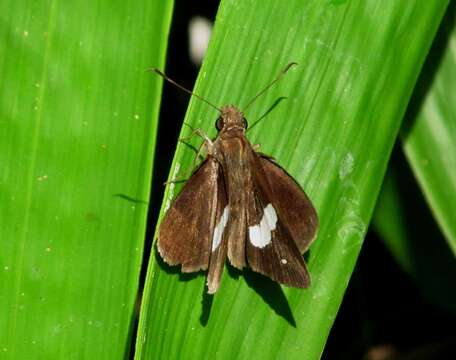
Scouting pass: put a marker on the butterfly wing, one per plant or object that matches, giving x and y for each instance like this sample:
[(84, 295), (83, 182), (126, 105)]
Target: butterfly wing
[(276, 205), (298, 214), (219, 244), (186, 232)]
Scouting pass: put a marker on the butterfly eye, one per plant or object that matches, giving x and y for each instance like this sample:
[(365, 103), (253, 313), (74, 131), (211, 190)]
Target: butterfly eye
[(219, 123), (246, 124)]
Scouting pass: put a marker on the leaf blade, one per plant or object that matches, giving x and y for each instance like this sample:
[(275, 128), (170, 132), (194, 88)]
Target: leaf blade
[(78, 130), (340, 164)]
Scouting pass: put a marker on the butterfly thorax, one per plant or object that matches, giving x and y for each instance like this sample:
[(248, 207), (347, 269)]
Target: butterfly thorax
[(235, 155)]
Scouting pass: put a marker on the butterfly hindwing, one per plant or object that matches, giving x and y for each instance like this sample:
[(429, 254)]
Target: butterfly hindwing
[(271, 247), (298, 214), (219, 244), (280, 260), (185, 235)]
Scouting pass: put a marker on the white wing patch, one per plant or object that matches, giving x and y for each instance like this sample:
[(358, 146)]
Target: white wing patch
[(260, 235), (218, 231)]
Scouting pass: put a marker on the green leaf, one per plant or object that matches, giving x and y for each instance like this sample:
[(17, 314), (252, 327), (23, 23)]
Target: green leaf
[(358, 63), (429, 135), (77, 133)]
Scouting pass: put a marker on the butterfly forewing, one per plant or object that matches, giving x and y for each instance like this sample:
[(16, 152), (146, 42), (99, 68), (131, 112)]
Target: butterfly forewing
[(185, 235)]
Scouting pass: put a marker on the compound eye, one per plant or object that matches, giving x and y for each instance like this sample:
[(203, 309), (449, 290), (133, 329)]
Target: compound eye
[(246, 124), (219, 123)]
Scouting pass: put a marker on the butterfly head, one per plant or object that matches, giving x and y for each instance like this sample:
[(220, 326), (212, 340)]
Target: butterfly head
[(231, 118)]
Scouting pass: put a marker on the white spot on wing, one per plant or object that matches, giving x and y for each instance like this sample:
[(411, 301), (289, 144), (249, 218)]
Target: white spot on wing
[(271, 216), (260, 235), (218, 231)]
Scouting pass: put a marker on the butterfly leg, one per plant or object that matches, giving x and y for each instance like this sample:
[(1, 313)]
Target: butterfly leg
[(207, 145), (198, 154), (198, 132), (187, 173)]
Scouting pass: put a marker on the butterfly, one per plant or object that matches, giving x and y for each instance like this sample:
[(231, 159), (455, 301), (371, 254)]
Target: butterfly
[(241, 205)]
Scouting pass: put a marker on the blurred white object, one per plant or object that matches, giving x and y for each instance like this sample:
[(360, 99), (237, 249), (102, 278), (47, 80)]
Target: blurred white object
[(199, 33)]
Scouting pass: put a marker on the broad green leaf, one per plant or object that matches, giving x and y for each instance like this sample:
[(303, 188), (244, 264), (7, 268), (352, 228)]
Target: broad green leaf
[(429, 135), (409, 231), (77, 133), (358, 63)]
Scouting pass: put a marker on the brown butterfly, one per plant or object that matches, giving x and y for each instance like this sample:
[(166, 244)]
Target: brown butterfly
[(239, 204)]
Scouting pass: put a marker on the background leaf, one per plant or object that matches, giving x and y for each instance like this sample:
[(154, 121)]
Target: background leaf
[(429, 135), (334, 133), (429, 141), (77, 132)]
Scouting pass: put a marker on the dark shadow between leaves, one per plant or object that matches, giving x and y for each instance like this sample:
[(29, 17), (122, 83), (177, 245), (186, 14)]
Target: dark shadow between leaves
[(432, 260)]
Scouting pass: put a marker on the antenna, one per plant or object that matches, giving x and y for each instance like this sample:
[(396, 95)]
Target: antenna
[(163, 75), (270, 84)]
